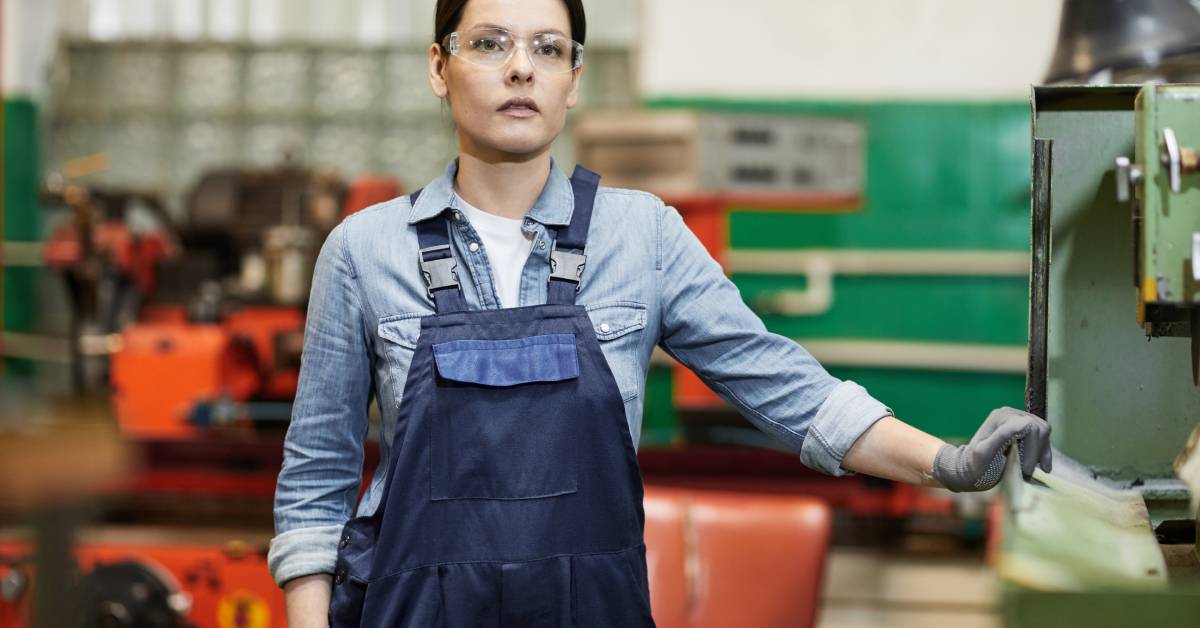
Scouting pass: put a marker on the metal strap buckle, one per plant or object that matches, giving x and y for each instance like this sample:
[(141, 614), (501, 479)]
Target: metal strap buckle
[(438, 273), (567, 266)]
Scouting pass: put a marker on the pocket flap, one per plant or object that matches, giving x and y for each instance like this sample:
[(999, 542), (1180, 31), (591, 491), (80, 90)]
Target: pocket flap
[(614, 319), (548, 358), (402, 329)]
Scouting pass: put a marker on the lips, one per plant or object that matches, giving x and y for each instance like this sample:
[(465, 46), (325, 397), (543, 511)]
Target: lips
[(519, 104)]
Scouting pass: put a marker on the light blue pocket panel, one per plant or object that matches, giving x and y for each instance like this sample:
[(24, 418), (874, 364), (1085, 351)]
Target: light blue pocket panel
[(549, 358)]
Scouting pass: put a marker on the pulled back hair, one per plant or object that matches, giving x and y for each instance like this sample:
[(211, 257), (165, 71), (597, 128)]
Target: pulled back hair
[(449, 13)]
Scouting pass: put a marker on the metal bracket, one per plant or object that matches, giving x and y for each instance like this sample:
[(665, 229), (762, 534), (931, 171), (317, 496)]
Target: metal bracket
[(1172, 159), (438, 273), (567, 266), (1128, 175), (1196, 257)]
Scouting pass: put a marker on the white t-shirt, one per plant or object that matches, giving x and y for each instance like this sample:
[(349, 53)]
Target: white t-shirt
[(507, 249)]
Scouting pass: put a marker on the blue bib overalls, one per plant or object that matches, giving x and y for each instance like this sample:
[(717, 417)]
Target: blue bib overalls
[(514, 496)]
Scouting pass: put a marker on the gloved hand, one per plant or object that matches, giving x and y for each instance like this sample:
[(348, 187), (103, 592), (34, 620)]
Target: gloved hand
[(978, 465)]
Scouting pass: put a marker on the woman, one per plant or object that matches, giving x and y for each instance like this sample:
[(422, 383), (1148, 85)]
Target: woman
[(504, 318)]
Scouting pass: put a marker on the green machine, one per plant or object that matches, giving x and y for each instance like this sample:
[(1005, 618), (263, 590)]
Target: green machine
[(1166, 214), (1109, 538)]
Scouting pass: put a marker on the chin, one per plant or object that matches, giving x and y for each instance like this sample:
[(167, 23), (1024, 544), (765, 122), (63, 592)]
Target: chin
[(520, 144)]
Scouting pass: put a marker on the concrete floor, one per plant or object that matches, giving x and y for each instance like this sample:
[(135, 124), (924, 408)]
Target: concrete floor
[(871, 587)]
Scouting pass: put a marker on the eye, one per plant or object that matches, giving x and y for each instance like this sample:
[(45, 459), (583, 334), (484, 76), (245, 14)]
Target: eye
[(548, 46), (486, 45)]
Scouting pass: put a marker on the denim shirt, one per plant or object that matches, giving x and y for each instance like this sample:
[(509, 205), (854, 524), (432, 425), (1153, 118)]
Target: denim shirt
[(648, 282)]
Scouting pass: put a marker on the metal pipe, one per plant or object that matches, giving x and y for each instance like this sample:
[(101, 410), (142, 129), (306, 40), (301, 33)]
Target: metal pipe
[(889, 354), (21, 253), (55, 349), (962, 263), (819, 266), (1039, 279)]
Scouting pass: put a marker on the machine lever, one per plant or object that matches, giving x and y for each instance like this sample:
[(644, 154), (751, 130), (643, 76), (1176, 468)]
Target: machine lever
[(1196, 256), (1171, 159), (1178, 160), (1129, 174)]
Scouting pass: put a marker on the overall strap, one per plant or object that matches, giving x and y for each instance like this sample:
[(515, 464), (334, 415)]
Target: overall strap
[(438, 268), (567, 258)]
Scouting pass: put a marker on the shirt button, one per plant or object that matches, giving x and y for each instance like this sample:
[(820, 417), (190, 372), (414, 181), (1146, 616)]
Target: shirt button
[(542, 245), (474, 246), (457, 215), (604, 328)]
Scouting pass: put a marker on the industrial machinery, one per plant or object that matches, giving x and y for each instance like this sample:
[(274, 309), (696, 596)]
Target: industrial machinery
[(1166, 218), (202, 320), (230, 311), (1126, 41), (144, 581), (1109, 538), (107, 253)]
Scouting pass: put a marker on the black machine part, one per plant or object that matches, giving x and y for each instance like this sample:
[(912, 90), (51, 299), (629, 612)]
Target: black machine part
[(1126, 37), (129, 594)]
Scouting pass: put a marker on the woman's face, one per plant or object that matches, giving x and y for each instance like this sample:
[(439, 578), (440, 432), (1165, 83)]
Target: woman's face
[(478, 95)]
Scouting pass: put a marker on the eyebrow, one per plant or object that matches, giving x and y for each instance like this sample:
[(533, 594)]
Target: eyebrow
[(544, 31)]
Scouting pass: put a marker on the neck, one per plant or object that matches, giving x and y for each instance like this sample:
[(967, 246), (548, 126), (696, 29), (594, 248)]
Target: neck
[(503, 187)]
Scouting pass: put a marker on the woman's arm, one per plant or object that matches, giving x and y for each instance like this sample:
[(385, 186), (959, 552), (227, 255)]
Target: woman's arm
[(318, 484), (835, 425), (307, 601), (777, 385), (895, 450)]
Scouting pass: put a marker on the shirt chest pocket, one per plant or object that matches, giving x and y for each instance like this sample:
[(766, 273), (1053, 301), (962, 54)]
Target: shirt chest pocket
[(619, 327), (399, 334)]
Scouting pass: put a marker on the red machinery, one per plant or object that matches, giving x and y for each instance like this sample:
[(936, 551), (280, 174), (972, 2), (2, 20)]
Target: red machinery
[(201, 348), (225, 329), (165, 583), (228, 350)]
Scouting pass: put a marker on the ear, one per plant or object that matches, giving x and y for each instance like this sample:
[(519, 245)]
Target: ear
[(573, 95), (437, 71)]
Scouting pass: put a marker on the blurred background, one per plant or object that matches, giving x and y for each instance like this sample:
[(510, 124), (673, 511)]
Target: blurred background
[(861, 168)]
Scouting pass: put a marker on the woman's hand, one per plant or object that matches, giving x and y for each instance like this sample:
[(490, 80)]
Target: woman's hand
[(307, 600), (978, 465)]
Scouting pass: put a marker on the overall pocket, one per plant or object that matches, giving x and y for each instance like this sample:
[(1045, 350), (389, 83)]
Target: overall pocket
[(502, 421), (355, 551)]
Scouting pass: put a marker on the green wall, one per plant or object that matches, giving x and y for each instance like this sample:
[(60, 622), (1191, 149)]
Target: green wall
[(940, 175), (22, 216)]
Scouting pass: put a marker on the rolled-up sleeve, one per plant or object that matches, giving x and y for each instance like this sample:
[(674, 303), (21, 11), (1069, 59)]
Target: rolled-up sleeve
[(323, 450), (773, 381)]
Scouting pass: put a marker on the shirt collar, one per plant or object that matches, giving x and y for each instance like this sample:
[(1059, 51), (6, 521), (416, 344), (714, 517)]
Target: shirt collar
[(554, 206)]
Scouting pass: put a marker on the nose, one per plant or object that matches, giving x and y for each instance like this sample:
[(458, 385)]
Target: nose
[(520, 66)]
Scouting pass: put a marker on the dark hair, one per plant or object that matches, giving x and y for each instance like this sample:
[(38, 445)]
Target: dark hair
[(448, 14)]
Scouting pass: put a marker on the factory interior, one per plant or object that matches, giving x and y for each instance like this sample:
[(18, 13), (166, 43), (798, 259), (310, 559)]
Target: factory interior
[(906, 189)]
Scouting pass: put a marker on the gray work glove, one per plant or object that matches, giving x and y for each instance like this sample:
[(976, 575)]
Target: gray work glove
[(978, 465)]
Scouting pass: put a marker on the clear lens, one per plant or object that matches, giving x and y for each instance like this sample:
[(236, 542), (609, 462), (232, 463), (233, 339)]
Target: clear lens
[(493, 48), (487, 47)]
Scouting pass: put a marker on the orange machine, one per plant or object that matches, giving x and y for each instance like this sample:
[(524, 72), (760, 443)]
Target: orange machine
[(164, 583), (174, 378), (220, 344)]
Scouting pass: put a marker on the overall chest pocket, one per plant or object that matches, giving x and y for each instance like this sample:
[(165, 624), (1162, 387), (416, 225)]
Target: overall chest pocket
[(498, 426)]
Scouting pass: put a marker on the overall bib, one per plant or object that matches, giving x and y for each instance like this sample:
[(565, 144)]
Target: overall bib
[(513, 495)]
